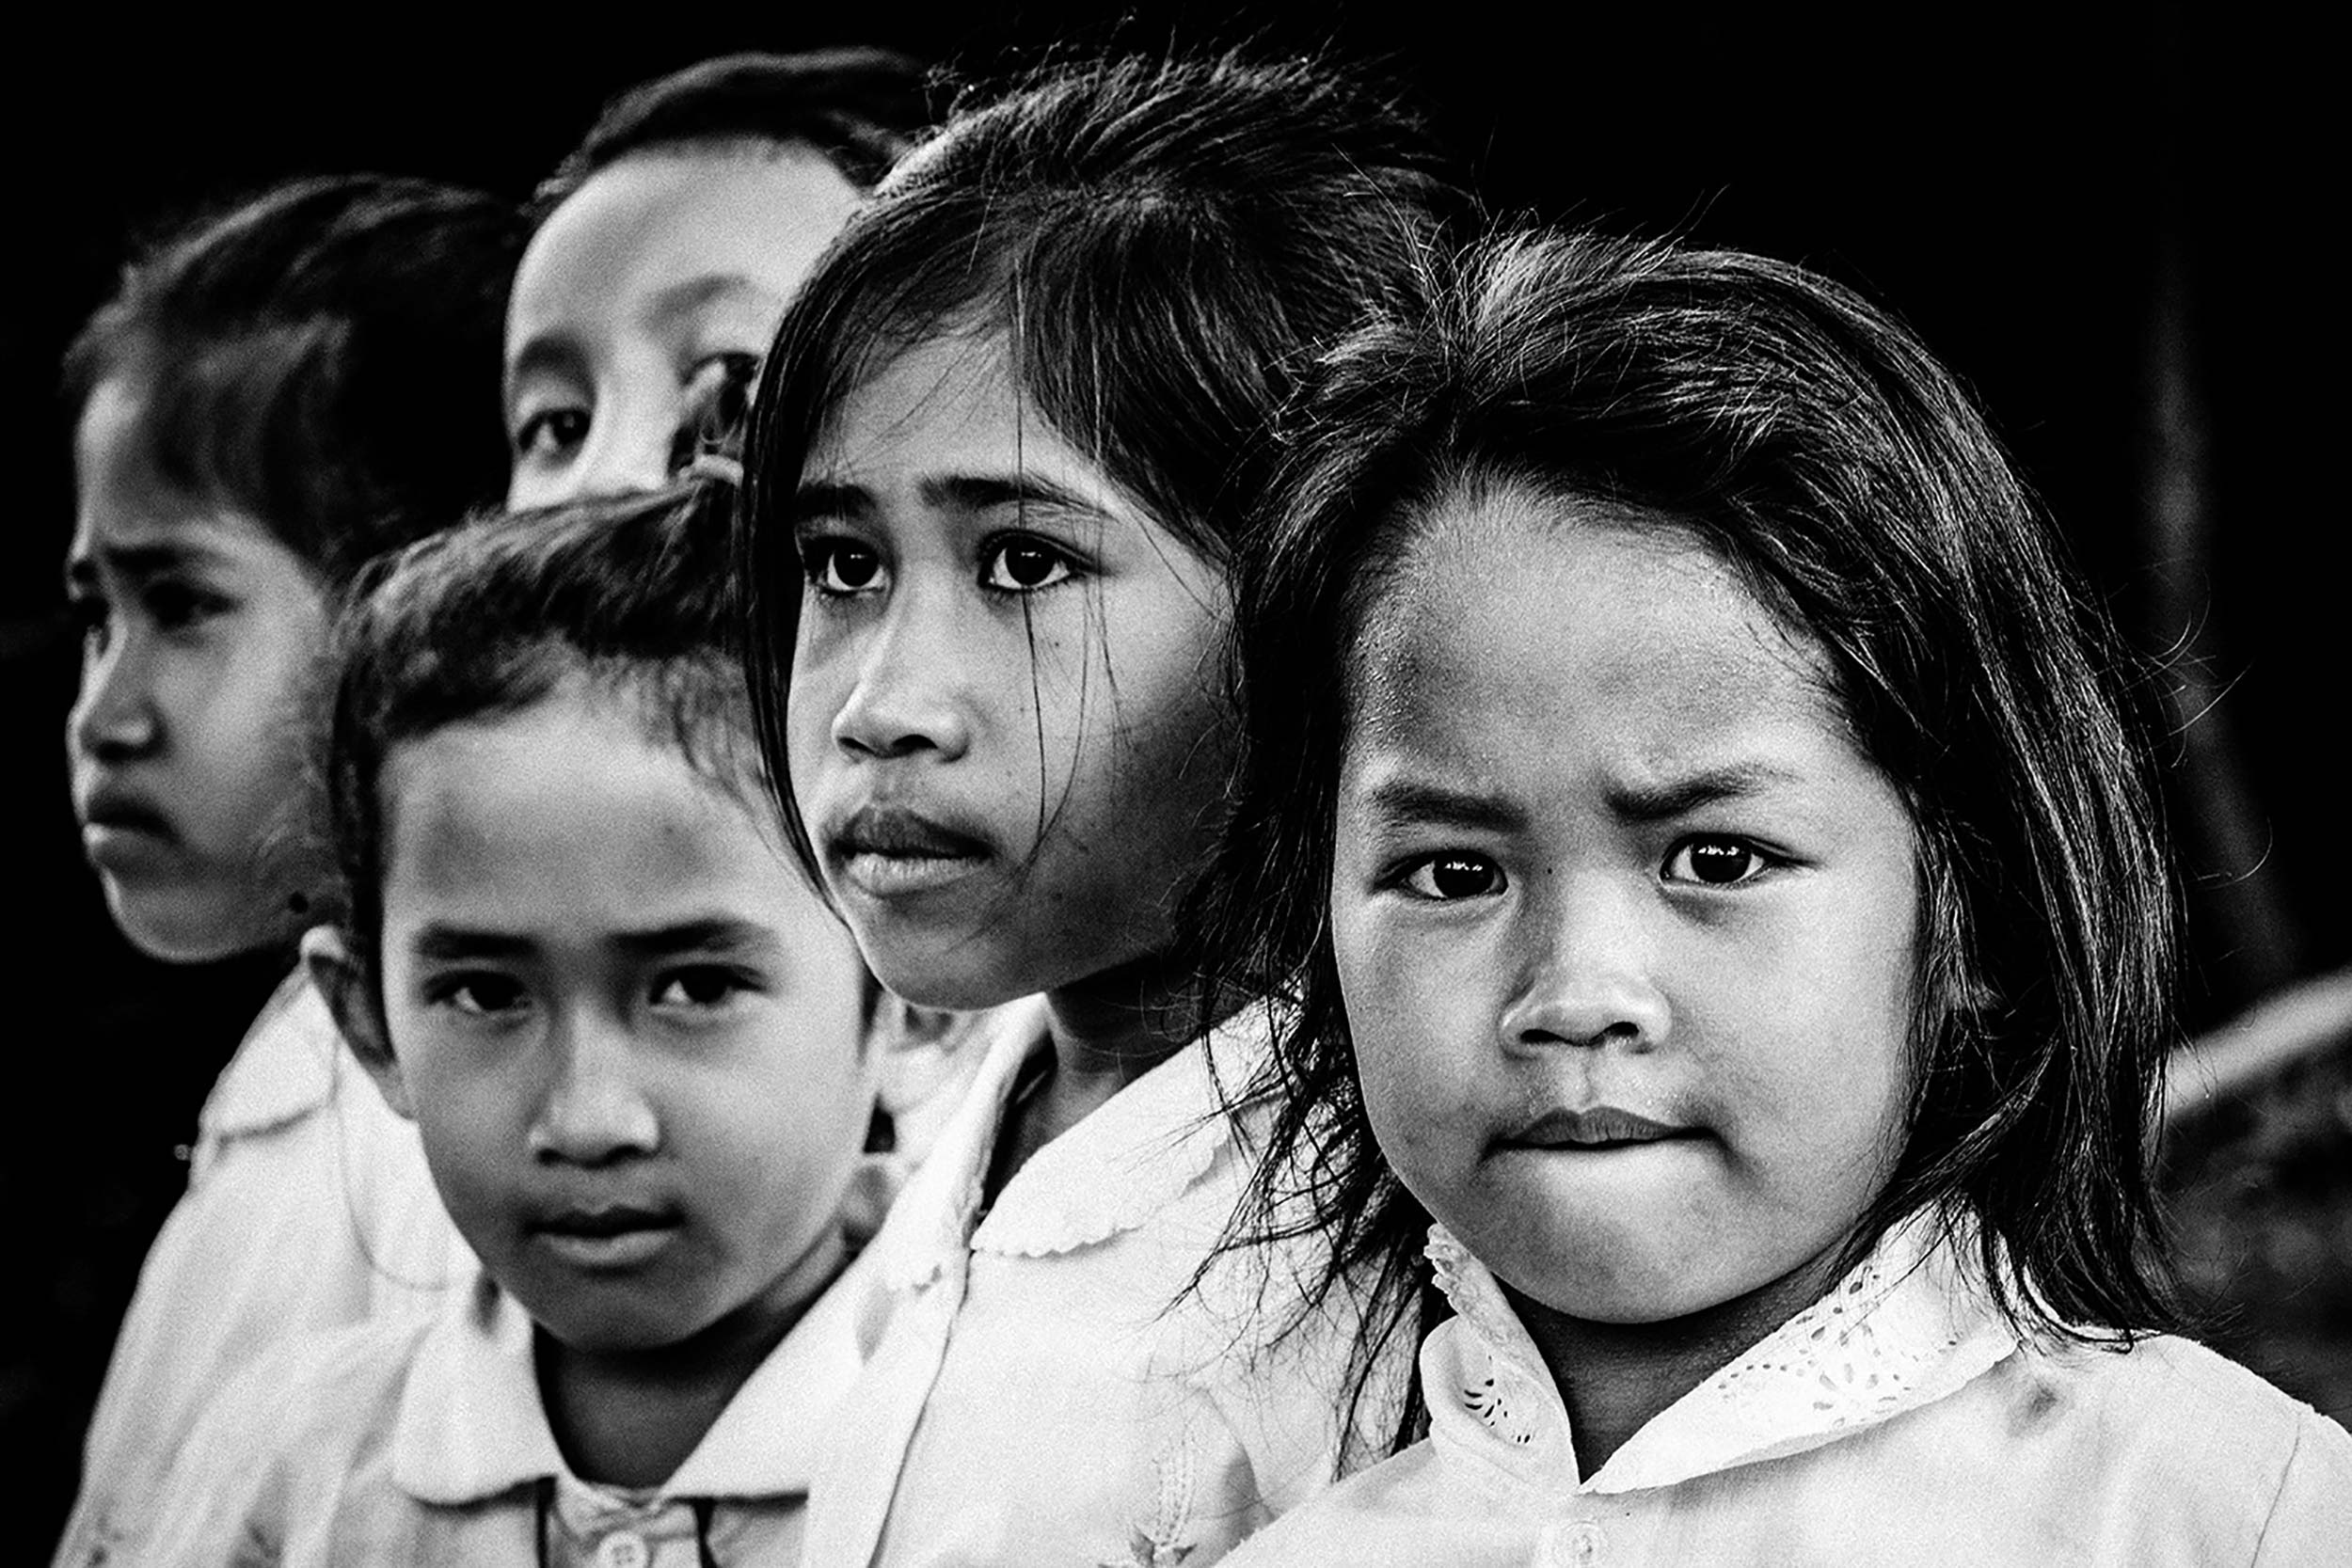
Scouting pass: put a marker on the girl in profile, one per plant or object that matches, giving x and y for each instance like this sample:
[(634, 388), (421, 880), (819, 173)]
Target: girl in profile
[(275, 395)]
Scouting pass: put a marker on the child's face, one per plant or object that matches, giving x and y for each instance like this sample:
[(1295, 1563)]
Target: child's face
[(186, 743), (1624, 922), (629, 1033), (644, 303), (1003, 729)]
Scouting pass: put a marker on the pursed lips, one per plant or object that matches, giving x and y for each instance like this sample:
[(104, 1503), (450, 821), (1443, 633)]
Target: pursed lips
[(1599, 1127)]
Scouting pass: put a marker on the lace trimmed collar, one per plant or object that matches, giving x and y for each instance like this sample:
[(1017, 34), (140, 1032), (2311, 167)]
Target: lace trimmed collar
[(471, 1425), (1113, 1172), (1905, 1329)]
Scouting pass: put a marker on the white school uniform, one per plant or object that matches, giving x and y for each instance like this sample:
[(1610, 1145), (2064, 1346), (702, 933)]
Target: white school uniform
[(1047, 1389), (1898, 1420), (308, 1207), (429, 1444)]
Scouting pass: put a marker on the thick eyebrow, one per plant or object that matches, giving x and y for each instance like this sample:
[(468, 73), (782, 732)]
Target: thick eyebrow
[(1395, 802), (713, 934), (947, 493), (456, 944), (1674, 798), (985, 493)]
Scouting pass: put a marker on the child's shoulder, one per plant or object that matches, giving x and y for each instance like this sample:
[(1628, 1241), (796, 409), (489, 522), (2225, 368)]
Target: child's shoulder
[(2196, 1434), (292, 1432)]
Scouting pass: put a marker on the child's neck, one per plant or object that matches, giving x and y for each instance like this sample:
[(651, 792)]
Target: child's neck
[(1108, 1030), (630, 1418), (1615, 1378)]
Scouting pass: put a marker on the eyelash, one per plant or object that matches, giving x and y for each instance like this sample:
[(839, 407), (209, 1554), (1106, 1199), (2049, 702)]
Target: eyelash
[(822, 556), (1411, 877), (452, 991), (734, 983), (527, 434), (1759, 862)]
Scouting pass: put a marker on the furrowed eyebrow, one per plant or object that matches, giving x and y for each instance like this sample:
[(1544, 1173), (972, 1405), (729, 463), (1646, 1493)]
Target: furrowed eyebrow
[(1676, 797), (1397, 801)]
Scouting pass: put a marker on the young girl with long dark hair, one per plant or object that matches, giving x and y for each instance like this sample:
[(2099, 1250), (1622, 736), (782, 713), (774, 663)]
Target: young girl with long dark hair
[(1007, 444), (1704, 829)]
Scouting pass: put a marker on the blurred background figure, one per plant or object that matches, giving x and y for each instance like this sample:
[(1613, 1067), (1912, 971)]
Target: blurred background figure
[(667, 244), (273, 396)]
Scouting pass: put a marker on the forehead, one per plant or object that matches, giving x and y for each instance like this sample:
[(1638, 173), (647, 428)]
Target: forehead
[(1510, 610), (952, 404), (657, 230), (576, 802), (122, 503)]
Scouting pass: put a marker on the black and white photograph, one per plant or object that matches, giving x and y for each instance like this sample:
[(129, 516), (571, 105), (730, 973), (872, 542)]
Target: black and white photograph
[(1121, 787)]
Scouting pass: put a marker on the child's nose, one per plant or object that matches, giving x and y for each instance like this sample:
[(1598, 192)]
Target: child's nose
[(1587, 981), (115, 717), (907, 697), (595, 1111)]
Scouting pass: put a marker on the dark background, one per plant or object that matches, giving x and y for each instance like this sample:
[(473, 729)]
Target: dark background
[(2110, 226)]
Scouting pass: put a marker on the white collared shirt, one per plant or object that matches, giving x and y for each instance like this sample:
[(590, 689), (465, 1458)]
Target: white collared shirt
[(1898, 1420), (1046, 1388), (308, 1207), (429, 1444)]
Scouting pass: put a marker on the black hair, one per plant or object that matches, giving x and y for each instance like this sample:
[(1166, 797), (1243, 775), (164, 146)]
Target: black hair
[(489, 619), (1812, 444), (323, 356), (858, 107), (1161, 243)]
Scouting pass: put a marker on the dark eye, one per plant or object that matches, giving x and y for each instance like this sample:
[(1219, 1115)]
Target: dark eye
[(696, 986), (549, 435), (1024, 566), (175, 606), (1714, 861), (1449, 877), (841, 565), (483, 995)]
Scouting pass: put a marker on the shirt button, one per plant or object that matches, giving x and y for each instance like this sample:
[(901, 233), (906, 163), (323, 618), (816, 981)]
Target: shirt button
[(1575, 1545), (623, 1548)]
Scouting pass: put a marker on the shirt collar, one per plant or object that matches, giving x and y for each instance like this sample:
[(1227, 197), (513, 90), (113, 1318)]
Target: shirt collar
[(1902, 1330), (1139, 1152), (471, 1425), (287, 1065)]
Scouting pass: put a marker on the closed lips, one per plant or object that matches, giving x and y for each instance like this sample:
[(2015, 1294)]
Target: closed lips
[(902, 835), (1601, 1127)]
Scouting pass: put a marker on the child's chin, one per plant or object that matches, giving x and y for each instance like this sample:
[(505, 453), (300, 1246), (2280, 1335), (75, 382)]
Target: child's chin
[(180, 926)]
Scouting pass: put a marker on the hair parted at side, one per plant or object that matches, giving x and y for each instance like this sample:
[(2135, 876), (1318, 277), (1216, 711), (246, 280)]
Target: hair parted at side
[(858, 107), (489, 619), (323, 356), (1815, 446), (1160, 245)]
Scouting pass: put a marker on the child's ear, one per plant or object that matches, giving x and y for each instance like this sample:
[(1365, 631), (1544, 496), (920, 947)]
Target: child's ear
[(359, 1012)]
